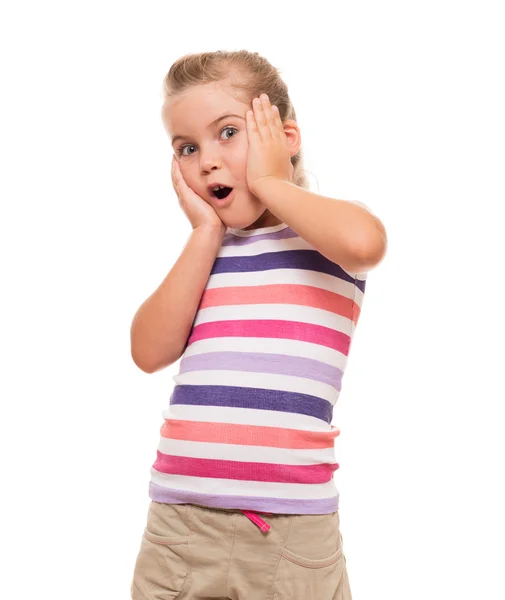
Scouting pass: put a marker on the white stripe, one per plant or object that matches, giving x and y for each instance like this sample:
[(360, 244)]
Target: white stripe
[(244, 416), (324, 281), (282, 312), (245, 453), (262, 246), (258, 231), (295, 348), (358, 296), (234, 487), (266, 381)]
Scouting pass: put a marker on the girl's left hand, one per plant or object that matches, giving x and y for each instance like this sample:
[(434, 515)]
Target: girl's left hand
[(268, 154)]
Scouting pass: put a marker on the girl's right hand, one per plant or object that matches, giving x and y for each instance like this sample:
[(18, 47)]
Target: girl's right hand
[(195, 208)]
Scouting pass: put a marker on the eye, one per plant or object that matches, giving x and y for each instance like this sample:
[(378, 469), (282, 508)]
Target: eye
[(226, 128), (180, 151)]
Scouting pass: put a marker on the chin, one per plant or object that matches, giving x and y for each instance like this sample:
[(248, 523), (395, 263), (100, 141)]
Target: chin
[(243, 221), (235, 223)]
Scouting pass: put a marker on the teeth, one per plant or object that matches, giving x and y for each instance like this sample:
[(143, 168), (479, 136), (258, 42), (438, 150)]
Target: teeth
[(218, 187)]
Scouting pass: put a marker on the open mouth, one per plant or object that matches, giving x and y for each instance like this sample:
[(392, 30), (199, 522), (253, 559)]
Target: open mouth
[(222, 193)]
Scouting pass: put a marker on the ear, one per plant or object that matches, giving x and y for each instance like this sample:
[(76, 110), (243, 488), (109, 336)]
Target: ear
[(293, 136)]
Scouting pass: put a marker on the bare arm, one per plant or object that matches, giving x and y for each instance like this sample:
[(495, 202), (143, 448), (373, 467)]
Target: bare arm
[(344, 232), (162, 324)]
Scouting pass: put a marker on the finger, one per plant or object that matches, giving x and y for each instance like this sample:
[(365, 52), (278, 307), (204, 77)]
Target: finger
[(276, 116), (259, 115), (177, 170), (175, 176), (252, 126), (278, 125), (270, 122)]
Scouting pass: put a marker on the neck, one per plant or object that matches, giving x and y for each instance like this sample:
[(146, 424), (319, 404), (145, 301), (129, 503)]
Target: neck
[(267, 219)]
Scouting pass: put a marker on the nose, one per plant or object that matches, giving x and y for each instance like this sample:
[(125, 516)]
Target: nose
[(209, 160)]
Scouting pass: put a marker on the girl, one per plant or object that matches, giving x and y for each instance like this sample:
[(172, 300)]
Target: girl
[(261, 306)]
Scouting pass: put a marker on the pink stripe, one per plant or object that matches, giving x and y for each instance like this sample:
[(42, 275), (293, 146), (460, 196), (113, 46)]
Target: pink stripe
[(247, 471), (248, 435), (273, 328), (281, 293)]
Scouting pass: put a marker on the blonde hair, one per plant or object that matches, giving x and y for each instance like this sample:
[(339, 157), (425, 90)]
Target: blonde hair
[(248, 73)]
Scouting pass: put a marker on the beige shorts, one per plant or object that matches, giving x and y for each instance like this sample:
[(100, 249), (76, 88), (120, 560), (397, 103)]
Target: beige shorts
[(192, 552)]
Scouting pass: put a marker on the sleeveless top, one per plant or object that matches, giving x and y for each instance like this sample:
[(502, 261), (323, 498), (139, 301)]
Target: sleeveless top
[(248, 424)]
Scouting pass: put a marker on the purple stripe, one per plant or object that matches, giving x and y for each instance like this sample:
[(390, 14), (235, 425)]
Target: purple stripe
[(309, 260), (255, 398), (290, 506), (237, 241), (281, 364)]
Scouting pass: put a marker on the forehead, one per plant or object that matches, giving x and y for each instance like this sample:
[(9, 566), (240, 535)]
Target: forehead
[(194, 110)]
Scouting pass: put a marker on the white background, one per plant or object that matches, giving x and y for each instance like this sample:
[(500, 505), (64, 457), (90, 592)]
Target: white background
[(400, 106)]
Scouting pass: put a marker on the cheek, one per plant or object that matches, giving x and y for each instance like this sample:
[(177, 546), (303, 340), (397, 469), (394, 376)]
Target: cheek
[(188, 174), (240, 157), (187, 170)]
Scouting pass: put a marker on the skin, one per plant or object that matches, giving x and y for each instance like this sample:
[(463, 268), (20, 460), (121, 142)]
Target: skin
[(220, 152)]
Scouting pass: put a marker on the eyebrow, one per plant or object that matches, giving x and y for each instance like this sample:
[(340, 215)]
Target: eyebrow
[(177, 137)]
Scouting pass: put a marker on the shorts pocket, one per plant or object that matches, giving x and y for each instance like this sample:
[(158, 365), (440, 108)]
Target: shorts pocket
[(312, 559), (162, 565), (312, 563)]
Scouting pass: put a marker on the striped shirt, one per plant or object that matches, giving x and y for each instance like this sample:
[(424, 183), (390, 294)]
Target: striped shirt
[(249, 419)]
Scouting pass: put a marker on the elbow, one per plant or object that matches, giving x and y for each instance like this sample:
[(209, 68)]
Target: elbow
[(141, 352), (143, 359), (148, 364), (142, 364), (374, 250)]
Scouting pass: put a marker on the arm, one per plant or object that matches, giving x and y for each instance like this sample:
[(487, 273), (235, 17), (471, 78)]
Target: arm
[(162, 324), (345, 232)]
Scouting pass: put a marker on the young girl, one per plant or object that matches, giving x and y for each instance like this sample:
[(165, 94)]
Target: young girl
[(261, 307)]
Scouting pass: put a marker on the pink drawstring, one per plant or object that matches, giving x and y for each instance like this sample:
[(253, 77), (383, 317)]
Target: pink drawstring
[(257, 520)]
